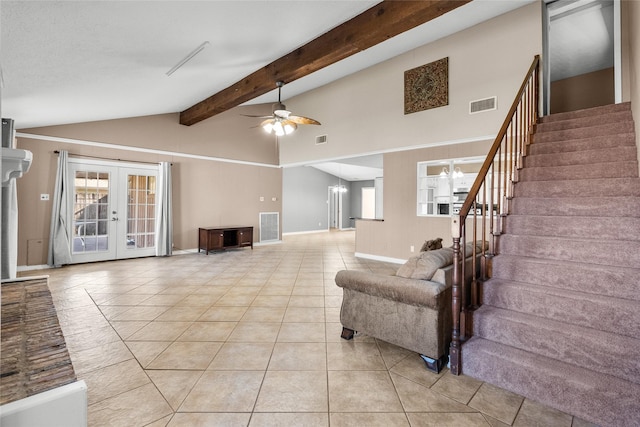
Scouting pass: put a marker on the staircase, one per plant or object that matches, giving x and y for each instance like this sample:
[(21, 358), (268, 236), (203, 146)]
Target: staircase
[(560, 320)]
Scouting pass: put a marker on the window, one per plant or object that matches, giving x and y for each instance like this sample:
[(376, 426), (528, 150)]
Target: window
[(444, 185)]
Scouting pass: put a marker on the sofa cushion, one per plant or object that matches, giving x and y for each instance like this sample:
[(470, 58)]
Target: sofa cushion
[(424, 266)]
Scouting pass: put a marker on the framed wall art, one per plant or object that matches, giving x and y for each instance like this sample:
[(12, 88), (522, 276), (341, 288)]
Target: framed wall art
[(427, 86)]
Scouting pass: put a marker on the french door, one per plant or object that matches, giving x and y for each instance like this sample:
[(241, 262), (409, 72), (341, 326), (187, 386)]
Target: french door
[(113, 210)]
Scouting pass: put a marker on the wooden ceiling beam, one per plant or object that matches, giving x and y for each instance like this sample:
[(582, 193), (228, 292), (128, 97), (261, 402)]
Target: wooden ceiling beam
[(375, 25)]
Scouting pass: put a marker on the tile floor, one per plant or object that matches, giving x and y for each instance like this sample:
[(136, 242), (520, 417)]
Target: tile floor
[(252, 338)]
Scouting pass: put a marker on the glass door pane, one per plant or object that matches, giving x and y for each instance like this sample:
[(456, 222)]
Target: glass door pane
[(91, 209)]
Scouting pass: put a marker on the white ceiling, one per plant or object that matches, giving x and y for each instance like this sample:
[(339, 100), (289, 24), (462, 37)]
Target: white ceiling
[(78, 61)]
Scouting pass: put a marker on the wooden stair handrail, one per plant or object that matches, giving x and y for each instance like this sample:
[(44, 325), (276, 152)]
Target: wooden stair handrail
[(508, 150)]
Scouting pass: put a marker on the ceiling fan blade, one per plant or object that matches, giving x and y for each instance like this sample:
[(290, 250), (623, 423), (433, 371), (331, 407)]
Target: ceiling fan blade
[(259, 117), (303, 120), (272, 121)]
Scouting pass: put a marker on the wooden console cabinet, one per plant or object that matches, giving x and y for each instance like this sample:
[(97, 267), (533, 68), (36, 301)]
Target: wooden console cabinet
[(220, 238)]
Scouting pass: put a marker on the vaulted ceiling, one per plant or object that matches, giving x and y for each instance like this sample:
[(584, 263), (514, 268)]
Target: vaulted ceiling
[(78, 61)]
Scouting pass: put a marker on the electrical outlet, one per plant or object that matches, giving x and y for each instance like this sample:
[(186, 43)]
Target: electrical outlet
[(261, 198), (411, 248), (44, 197)]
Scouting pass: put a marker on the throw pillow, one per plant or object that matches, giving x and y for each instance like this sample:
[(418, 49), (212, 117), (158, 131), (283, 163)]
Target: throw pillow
[(430, 245), (426, 264)]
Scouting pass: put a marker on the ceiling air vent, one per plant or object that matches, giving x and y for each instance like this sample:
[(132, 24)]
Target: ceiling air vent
[(480, 105), (322, 139)]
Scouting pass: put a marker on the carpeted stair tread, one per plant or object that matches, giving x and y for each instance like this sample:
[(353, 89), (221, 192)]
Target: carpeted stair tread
[(605, 228), (613, 315), (600, 252), (587, 143), (621, 169), (616, 282), (578, 206), (589, 348), (597, 130), (584, 122), (599, 398), (587, 112), (583, 157), (603, 187)]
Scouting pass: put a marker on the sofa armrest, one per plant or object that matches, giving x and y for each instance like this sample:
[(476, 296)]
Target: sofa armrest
[(408, 291)]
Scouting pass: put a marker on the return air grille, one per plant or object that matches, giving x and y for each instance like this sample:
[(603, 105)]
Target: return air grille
[(269, 226), (481, 105), (322, 139)]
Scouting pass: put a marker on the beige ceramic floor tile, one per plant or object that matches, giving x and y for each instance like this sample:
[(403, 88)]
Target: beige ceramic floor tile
[(91, 338), (308, 290), (137, 407), (289, 391), (146, 351), (299, 357), (447, 420), (223, 314), (534, 413), (208, 331), (362, 391), (369, 420), (200, 300), (271, 301), (212, 419), (160, 331), (351, 356), (413, 368), (168, 300), (417, 398), (181, 314), (497, 403), (460, 387), (112, 380), (224, 391), (186, 355), (306, 301), (174, 385), (302, 332), (242, 357), (141, 313), (263, 314), (99, 357), (255, 332), (127, 328), (304, 314), (392, 354), (259, 419), (127, 299)]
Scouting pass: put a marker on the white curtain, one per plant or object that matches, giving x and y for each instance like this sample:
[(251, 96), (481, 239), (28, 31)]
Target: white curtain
[(164, 222), (61, 232)]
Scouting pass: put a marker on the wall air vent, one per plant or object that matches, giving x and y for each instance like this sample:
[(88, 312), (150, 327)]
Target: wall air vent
[(269, 226), (322, 139), (481, 105)]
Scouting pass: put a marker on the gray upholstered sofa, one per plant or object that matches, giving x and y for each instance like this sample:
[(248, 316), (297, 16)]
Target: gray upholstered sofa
[(411, 309)]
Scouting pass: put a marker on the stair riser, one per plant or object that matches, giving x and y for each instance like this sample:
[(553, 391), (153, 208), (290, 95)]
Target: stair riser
[(621, 187), (595, 143), (587, 112), (601, 130), (613, 315), (614, 154), (598, 280), (599, 252), (584, 122), (606, 228), (600, 207), (607, 401), (583, 171), (573, 345)]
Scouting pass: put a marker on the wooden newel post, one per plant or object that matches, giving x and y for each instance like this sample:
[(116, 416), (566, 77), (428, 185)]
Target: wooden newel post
[(456, 298)]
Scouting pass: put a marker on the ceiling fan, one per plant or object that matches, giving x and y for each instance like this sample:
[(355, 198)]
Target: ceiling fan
[(282, 122)]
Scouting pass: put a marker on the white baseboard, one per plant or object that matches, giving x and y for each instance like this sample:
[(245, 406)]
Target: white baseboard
[(380, 258), (33, 267), (293, 233), (270, 242)]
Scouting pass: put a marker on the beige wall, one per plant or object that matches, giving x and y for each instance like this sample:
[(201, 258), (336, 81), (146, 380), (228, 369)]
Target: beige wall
[(401, 227), (632, 18), (584, 91), (364, 112), (206, 193)]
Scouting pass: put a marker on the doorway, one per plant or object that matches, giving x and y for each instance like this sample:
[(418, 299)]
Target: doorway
[(335, 206), (113, 210), (581, 54)]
